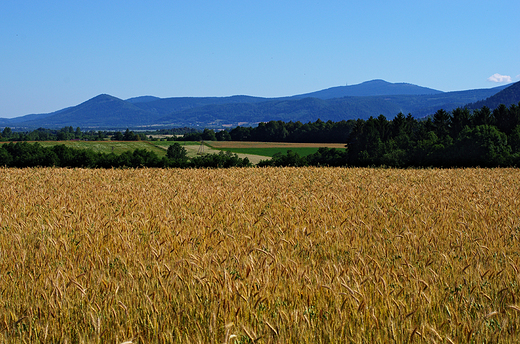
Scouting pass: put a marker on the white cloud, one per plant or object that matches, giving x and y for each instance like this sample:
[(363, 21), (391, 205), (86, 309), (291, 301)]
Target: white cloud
[(499, 78)]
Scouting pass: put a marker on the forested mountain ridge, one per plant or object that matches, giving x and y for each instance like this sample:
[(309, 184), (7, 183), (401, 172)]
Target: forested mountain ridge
[(370, 88), (508, 96), (101, 111), (108, 112)]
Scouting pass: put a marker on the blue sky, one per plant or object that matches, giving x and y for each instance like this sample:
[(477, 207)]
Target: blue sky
[(56, 54)]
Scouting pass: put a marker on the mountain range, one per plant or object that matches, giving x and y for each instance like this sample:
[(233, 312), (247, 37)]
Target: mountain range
[(370, 98)]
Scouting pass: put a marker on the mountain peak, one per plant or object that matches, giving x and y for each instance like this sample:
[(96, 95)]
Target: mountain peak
[(375, 81), (376, 87), (104, 96), (101, 98)]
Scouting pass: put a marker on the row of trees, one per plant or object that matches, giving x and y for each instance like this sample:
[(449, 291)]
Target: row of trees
[(128, 135), (42, 134), (279, 131), (69, 133), (24, 154), (323, 157), (460, 138)]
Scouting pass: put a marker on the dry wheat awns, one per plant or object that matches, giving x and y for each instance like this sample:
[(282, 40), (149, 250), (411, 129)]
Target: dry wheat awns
[(293, 255)]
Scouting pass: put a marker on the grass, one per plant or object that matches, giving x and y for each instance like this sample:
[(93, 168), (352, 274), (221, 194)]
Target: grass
[(169, 143), (302, 151), (255, 151), (192, 149), (268, 149), (116, 147), (271, 255), (246, 151), (159, 147)]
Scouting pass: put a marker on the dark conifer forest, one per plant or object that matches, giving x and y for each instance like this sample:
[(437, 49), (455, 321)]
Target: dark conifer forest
[(461, 138)]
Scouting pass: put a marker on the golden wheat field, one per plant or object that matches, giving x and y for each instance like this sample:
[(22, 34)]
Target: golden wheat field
[(288, 255)]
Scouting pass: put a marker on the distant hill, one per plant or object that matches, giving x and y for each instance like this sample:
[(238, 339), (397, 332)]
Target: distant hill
[(371, 98), (103, 111), (303, 110), (5, 122), (166, 106), (335, 109), (508, 97), (370, 88), (423, 105)]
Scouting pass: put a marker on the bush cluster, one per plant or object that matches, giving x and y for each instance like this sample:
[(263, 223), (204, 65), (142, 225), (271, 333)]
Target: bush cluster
[(24, 154)]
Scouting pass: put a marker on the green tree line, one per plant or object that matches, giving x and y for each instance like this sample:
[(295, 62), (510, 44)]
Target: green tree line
[(42, 134), (69, 133), (279, 131), (24, 154), (460, 138)]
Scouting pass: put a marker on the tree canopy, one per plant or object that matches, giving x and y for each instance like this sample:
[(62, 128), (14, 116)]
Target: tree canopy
[(459, 138), (24, 154)]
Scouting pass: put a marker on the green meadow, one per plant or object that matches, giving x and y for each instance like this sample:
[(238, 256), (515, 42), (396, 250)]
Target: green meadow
[(116, 147), (271, 151)]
